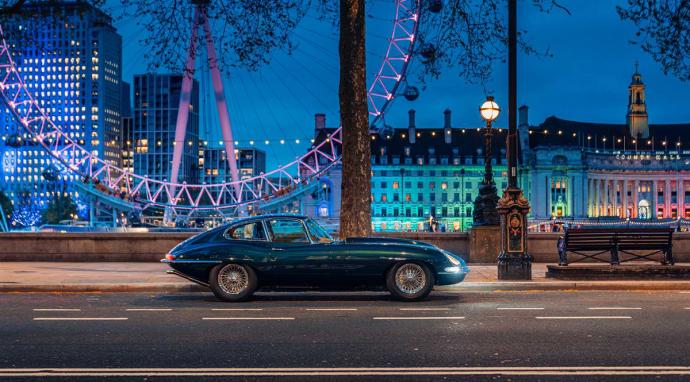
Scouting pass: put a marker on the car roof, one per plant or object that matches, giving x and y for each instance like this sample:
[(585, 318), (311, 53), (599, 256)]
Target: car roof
[(268, 216)]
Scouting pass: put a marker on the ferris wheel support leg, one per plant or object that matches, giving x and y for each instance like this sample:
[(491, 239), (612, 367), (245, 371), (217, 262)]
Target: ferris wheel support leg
[(183, 111), (222, 106)]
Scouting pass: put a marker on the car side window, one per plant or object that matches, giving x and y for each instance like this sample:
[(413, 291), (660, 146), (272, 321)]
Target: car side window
[(288, 231), (249, 231)]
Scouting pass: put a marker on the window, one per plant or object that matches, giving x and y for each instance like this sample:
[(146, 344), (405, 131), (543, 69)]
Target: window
[(288, 231), (250, 231), (318, 233)]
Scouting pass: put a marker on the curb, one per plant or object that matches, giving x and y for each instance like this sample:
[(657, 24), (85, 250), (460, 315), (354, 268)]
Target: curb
[(509, 286), (105, 288), (504, 286)]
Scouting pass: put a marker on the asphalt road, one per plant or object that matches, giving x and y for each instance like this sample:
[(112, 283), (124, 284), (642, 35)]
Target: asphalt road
[(517, 336)]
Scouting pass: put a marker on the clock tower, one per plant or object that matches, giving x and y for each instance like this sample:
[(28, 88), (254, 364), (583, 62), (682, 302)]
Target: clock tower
[(637, 118)]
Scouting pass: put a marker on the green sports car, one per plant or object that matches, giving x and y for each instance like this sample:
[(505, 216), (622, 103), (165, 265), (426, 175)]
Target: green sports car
[(294, 252)]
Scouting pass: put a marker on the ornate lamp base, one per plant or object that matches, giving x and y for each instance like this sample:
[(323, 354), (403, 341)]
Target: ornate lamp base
[(514, 263), (485, 212)]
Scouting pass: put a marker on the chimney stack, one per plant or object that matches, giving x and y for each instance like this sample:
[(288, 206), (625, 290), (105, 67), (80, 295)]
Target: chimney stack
[(320, 121), (411, 126), (523, 116), (447, 131)]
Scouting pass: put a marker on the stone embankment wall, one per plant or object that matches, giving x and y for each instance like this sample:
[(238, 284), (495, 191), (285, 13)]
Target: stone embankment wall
[(52, 246)]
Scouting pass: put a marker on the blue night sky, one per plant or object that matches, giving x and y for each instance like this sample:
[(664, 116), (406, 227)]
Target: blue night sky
[(586, 79)]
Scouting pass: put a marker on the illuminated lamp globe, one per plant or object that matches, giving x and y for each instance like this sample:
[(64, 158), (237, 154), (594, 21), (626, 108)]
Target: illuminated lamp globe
[(489, 109)]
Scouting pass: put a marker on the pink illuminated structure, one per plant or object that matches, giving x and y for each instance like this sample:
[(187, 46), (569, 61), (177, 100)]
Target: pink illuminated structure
[(227, 197)]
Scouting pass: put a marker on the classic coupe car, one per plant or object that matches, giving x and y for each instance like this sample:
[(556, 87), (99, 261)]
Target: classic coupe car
[(289, 251)]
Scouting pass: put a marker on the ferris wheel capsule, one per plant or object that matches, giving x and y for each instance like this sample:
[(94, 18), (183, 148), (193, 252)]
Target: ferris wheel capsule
[(51, 173), (14, 140), (411, 93), (435, 6), (428, 51)]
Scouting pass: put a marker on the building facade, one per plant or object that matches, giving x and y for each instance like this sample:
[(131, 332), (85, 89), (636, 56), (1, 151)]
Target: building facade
[(634, 170), (156, 102), (568, 169), (251, 162), (70, 57)]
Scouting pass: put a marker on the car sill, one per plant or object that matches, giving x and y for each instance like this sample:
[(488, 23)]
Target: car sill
[(176, 273)]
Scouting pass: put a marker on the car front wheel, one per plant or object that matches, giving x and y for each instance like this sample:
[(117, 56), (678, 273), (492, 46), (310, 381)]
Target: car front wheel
[(410, 281), (233, 282)]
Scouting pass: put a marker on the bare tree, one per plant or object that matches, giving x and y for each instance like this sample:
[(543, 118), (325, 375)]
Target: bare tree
[(663, 31), (245, 31), (355, 209), (470, 36)]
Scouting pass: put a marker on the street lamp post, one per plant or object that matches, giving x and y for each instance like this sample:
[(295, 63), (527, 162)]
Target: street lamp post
[(485, 213), (514, 263)]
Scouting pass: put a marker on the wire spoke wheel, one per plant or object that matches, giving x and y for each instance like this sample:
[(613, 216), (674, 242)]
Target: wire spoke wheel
[(410, 278), (233, 279)]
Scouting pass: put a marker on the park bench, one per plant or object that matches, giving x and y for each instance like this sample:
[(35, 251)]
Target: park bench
[(638, 243)]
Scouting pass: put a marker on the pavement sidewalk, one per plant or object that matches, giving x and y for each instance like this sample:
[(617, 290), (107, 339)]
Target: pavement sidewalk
[(151, 277)]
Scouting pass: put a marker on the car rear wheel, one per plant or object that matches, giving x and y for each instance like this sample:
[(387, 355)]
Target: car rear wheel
[(410, 281), (233, 282)]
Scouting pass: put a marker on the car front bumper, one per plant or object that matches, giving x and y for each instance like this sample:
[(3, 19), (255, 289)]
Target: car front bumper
[(449, 278)]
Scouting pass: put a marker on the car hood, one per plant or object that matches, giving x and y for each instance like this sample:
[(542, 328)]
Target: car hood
[(386, 240)]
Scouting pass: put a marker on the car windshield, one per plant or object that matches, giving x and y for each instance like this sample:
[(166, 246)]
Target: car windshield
[(318, 233)]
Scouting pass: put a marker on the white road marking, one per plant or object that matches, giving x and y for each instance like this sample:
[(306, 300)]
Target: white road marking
[(614, 308), (80, 318), (421, 318), (518, 308), (685, 291), (354, 371), (422, 309), (148, 309), (583, 318), (331, 309), (688, 308), (248, 318), (236, 309), (56, 310)]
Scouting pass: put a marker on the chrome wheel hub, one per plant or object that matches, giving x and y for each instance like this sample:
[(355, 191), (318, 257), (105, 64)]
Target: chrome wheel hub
[(410, 278), (233, 279)]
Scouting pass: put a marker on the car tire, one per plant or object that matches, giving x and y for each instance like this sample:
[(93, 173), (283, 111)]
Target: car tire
[(409, 281), (233, 282)]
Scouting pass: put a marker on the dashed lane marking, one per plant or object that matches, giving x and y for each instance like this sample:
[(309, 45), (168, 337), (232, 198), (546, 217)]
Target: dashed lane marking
[(518, 308), (148, 309), (56, 310), (80, 318), (421, 318), (247, 318), (236, 309), (424, 309), (583, 318), (614, 308), (331, 309)]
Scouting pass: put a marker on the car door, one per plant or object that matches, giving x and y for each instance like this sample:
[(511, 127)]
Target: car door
[(365, 263), (295, 259)]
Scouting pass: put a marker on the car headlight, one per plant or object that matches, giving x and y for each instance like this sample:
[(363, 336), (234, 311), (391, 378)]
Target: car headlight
[(452, 259), (452, 269)]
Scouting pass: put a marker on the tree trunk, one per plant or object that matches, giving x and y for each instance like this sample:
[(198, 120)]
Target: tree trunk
[(355, 208)]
